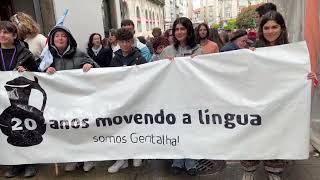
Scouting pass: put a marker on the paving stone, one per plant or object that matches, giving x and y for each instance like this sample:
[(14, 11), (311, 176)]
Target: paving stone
[(160, 170)]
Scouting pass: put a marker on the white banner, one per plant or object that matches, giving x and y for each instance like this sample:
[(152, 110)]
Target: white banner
[(232, 106)]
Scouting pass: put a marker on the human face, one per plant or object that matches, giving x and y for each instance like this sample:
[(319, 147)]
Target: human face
[(125, 45), (181, 33), (203, 32), (271, 31), (96, 41), (112, 38), (60, 40), (6, 38), (129, 27), (242, 42), (160, 49)]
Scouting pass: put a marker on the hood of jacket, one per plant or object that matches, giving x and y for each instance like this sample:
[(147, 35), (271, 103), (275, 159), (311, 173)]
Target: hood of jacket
[(72, 44)]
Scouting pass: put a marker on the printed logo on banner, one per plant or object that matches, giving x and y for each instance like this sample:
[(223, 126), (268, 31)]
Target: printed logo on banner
[(22, 123)]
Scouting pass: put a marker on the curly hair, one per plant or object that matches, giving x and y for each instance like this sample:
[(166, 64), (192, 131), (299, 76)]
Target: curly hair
[(113, 32), (190, 32), (156, 32), (127, 22), (26, 25), (161, 40), (124, 34)]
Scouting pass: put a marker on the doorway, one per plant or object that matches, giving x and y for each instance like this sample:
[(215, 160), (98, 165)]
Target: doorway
[(6, 10)]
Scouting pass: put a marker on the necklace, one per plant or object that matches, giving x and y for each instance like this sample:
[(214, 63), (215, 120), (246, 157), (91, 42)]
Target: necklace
[(3, 62)]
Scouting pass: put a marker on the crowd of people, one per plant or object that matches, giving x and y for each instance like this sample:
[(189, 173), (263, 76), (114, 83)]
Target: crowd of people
[(22, 44)]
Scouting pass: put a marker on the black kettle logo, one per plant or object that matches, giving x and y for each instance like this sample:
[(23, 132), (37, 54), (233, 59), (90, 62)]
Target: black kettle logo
[(22, 123)]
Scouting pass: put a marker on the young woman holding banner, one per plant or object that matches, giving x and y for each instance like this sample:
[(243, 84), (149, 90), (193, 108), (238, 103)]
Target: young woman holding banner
[(66, 56), (184, 41), (184, 44), (272, 32), (15, 57)]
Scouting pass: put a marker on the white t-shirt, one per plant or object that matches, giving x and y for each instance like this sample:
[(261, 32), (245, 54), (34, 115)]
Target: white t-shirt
[(36, 45)]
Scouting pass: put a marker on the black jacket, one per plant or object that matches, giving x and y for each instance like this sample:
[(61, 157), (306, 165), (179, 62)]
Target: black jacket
[(103, 58), (134, 58), (24, 57), (73, 58)]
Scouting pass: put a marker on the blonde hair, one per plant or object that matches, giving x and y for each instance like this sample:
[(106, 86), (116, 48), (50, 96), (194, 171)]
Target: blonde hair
[(26, 25)]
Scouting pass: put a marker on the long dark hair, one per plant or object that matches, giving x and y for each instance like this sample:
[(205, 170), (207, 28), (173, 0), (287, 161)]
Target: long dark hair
[(198, 38), (190, 32), (90, 44), (278, 18), (214, 36)]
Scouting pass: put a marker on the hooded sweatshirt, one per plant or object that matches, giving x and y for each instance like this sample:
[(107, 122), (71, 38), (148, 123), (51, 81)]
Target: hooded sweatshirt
[(72, 57)]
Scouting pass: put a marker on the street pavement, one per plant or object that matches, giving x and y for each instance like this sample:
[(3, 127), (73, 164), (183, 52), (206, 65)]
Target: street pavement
[(160, 170)]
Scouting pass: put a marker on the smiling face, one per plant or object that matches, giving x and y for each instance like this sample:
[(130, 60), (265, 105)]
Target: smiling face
[(60, 40), (271, 31), (181, 33), (6, 37)]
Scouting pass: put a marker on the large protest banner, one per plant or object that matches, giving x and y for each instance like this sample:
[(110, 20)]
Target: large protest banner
[(233, 105)]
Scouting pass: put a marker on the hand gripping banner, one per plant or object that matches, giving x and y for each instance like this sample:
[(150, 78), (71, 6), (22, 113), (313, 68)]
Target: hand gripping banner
[(235, 105)]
